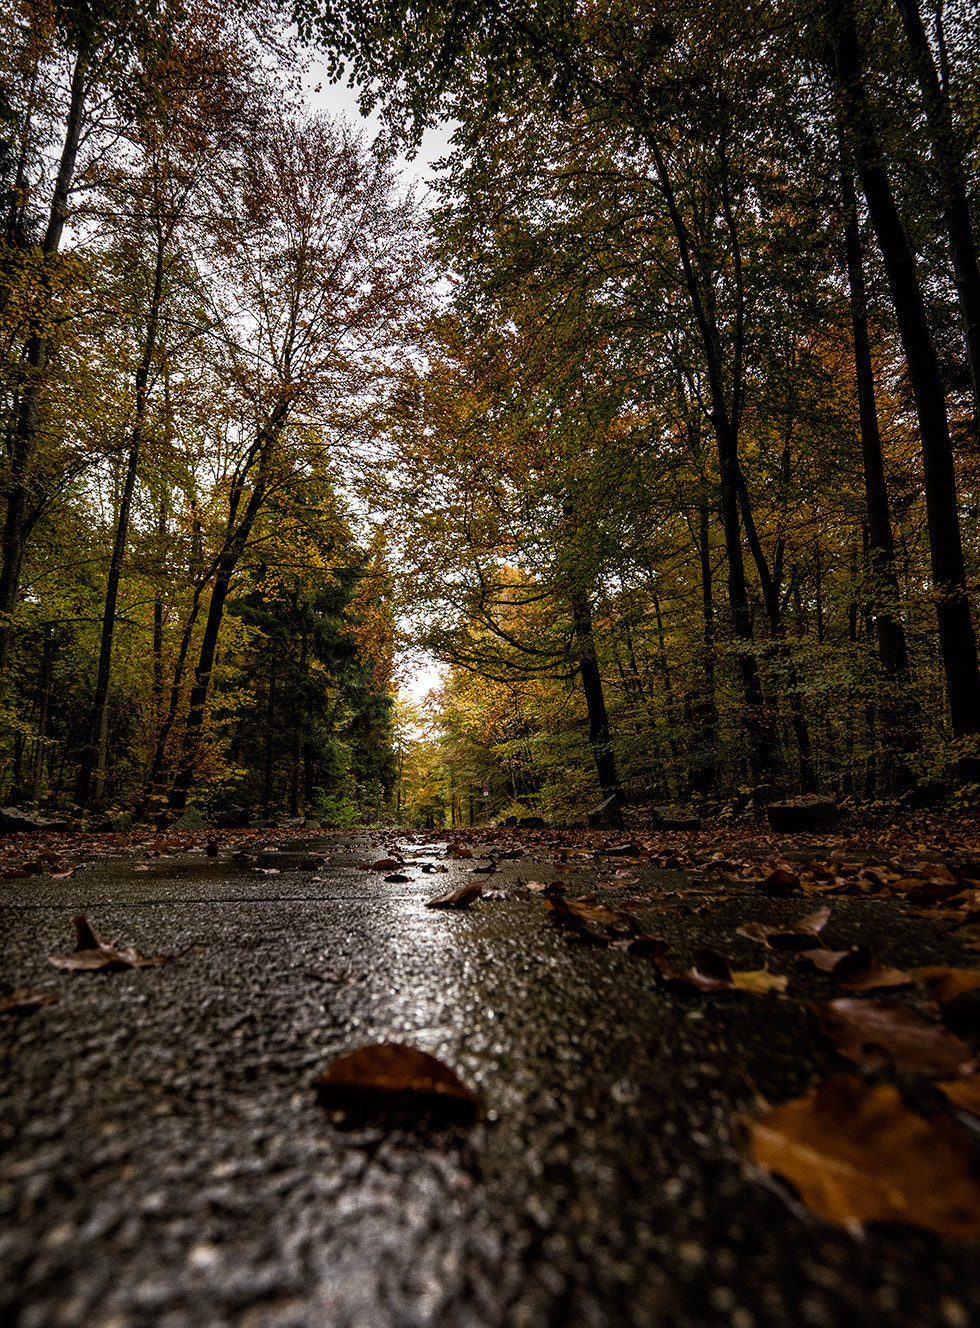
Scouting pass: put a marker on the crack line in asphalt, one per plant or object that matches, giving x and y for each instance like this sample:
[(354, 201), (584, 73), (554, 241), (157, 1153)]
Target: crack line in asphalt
[(275, 899)]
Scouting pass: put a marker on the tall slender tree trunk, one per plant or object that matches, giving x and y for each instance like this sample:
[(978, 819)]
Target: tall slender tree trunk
[(957, 641), (24, 443), (43, 701), (236, 537), (777, 625), (595, 701), (900, 722), (270, 719), (94, 762), (704, 767), (298, 736), (725, 414)]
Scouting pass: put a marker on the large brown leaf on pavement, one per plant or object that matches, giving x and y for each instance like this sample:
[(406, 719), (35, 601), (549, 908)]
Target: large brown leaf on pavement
[(390, 1079), (875, 1032), (856, 1154)]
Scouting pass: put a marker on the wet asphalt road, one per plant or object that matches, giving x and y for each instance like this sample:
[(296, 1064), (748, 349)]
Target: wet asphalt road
[(166, 1162)]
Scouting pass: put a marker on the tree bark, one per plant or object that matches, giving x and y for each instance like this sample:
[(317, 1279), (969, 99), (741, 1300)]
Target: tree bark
[(24, 448), (595, 701), (956, 636), (948, 162), (236, 538), (94, 762)]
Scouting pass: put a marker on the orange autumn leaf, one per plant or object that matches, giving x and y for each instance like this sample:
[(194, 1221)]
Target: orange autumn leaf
[(856, 1154), (945, 984), (964, 1093)]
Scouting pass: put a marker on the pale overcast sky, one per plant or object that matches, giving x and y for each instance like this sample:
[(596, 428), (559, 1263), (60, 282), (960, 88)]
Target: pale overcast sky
[(338, 99)]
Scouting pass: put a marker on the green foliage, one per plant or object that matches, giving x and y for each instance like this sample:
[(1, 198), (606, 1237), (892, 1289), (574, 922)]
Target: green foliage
[(331, 809)]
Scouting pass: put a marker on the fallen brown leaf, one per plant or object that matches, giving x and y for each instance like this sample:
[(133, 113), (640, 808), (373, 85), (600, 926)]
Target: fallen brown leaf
[(27, 1002), (857, 968), (91, 952), (461, 897), (798, 934), (780, 883), (760, 981), (875, 1032), (392, 1080), (945, 984), (856, 1154), (964, 1093)]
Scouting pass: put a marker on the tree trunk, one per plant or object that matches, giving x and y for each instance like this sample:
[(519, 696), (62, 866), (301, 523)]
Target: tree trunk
[(236, 538), (595, 701), (724, 418), (948, 162), (957, 642), (24, 448), (94, 761), (703, 769), (43, 699), (270, 716)]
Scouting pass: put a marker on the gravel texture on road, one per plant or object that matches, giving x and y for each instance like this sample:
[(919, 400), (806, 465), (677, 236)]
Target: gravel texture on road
[(166, 1162)]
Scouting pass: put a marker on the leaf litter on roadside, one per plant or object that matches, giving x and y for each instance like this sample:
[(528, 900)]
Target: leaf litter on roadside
[(91, 952)]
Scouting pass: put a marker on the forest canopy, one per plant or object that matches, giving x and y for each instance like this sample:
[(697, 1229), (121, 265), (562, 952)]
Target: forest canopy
[(657, 428)]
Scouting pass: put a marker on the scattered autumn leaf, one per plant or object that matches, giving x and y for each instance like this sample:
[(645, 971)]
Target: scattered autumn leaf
[(760, 981), (27, 1002), (856, 1154), (91, 952), (562, 914), (780, 883), (798, 934), (945, 984), (875, 1032), (461, 897), (857, 968), (394, 1081), (964, 1093)]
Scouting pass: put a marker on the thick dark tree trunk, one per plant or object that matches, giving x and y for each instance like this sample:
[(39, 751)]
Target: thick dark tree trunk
[(956, 636), (947, 159)]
